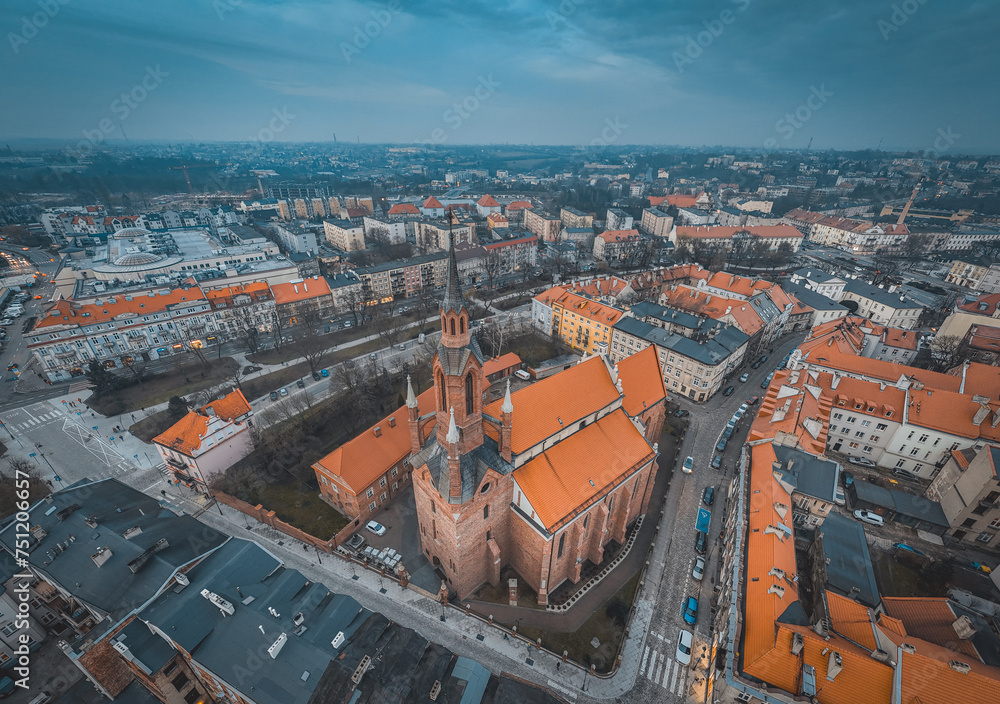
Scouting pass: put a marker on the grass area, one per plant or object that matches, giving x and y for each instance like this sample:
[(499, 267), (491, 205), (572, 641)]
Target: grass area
[(601, 626), (534, 348), (526, 596), (148, 428), (305, 511), (180, 381)]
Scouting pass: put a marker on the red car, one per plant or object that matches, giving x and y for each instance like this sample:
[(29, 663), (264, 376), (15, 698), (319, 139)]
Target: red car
[(752, 400)]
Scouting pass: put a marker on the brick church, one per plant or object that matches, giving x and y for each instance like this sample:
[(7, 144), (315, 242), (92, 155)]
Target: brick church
[(541, 480)]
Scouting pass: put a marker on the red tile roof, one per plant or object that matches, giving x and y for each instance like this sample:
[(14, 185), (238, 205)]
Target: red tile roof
[(505, 361), (520, 205), (727, 231), (361, 461), (64, 311), (568, 476), (432, 202), (229, 407), (619, 235), (488, 201), (642, 381), (315, 287), (404, 209)]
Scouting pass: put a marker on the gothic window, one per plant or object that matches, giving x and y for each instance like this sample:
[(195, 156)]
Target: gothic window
[(486, 511), (469, 398), (444, 401), (461, 325), (562, 544), (452, 326)]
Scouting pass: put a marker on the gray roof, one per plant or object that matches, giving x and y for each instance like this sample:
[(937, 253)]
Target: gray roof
[(764, 307), (453, 299), (709, 351), (814, 274), (473, 466), (849, 571), (164, 542), (879, 295), (341, 280), (265, 597), (811, 298), (673, 316), (809, 474), (904, 504)]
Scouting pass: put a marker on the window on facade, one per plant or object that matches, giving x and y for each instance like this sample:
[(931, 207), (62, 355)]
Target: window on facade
[(444, 400), (854, 445), (371, 506), (180, 682), (859, 434), (486, 511), (469, 397), (984, 537), (923, 438), (851, 419), (381, 482), (370, 493), (875, 438), (562, 544), (866, 423), (395, 471), (382, 497), (900, 463), (914, 450), (845, 431)]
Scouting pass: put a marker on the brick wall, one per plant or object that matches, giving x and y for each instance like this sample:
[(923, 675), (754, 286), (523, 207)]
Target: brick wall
[(263, 515)]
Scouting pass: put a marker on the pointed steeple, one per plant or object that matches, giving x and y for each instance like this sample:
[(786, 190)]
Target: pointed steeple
[(411, 398), (453, 299), (453, 436), (507, 406)]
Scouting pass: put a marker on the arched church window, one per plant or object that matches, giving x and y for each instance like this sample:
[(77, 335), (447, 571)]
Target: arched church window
[(469, 398)]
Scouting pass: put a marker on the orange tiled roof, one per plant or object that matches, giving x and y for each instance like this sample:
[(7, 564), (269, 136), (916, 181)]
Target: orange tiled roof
[(588, 308), (404, 209), (727, 231), (65, 311), (254, 289), (618, 235), (488, 201), (432, 202), (306, 289), (520, 205), (229, 407), (602, 286), (568, 396), (682, 201), (930, 619), (361, 461), (794, 405), (642, 381), (851, 620), (986, 304), (549, 295), (980, 379), (496, 218), (714, 306), (806, 216), (571, 474), (185, 435), (656, 201), (505, 361)]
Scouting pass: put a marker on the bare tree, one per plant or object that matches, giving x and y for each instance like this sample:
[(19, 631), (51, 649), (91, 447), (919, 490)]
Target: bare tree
[(278, 324), (314, 347), (388, 326), (355, 301), (492, 267), (949, 351), (885, 264), (138, 371)]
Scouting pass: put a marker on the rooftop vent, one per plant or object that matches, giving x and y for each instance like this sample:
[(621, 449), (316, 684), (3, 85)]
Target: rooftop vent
[(101, 556), (959, 666), (276, 646), (224, 606)]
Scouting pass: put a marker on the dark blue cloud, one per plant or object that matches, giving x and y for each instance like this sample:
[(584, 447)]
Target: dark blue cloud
[(717, 72)]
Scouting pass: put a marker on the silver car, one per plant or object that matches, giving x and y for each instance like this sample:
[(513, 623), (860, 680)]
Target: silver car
[(699, 568)]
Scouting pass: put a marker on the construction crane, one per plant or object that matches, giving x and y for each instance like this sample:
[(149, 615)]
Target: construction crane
[(186, 177)]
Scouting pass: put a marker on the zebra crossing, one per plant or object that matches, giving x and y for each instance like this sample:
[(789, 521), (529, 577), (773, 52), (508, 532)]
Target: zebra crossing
[(660, 668), (34, 421)]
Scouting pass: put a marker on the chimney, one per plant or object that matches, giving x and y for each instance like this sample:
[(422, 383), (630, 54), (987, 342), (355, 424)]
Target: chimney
[(378, 431), (392, 422), (834, 665), (963, 628)]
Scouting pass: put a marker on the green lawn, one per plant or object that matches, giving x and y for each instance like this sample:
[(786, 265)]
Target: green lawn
[(305, 511), (599, 625), (180, 381)]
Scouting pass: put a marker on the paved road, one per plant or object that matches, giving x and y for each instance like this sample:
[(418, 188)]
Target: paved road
[(660, 678)]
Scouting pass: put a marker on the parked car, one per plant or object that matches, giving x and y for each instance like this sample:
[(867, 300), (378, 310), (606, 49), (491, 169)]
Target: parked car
[(681, 413), (721, 447), (869, 517), (316, 376), (763, 358), (717, 462), (764, 384), (737, 415), (699, 568), (708, 497), (690, 610), (6, 686), (324, 372), (729, 391), (752, 401), (375, 527), (862, 462), (838, 497), (301, 384), (756, 365), (980, 567), (745, 377), (284, 391), (683, 654), (701, 542), (274, 395), (688, 465), (728, 432), (742, 409), (847, 478), (905, 474)]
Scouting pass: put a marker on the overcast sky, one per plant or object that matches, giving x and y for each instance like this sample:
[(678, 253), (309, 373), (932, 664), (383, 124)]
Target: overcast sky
[(845, 73)]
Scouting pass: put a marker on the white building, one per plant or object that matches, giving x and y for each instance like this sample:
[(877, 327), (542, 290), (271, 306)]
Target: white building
[(618, 220), (295, 238), (393, 230), (821, 282), (344, 235)]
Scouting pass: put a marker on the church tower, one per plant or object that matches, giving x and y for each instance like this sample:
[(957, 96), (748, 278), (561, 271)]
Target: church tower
[(458, 371)]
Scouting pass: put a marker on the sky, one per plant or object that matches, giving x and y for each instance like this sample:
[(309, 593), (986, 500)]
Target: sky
[(846, 74)]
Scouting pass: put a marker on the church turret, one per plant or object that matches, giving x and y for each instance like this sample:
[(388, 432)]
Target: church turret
[(455, 332), (454, 461), (413, 413), (507, 409)]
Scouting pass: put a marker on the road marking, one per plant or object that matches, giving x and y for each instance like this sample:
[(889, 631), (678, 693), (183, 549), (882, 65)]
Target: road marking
[(667, 671), (652, 665), (645, 657), (678, 684), (27, 413)]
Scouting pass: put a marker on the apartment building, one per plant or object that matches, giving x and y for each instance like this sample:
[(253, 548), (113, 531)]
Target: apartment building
[(303, 301), (515, 210), (617, 219), (437, 235), (571, 217), (728, 237), (344, 235), (390, 230), (544, 226), (883, 305), (820, 281), (968, 489), (616, 245), (296, 238), (584, 324), (487, 205), (404, 278), (657, 223), (516, 253)]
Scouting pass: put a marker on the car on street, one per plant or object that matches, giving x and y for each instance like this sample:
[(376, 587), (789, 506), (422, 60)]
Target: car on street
[(683, 654), (907, 548), (699, 568), (708, 496), (717, 462), (905, 474), (756, 365), (980, 567), (763, 358), (688, 465), (729, 391), (274, 395), (752, 401), (745, 377), (324, 372), (862, 462), (764, 384), (301, 384), (375, 527), (284, 391), (6, 321), (737, 416), (701, 542), (6, 686), (728, 432), (869, 517), (721, 447), (316, 376), (743, 409), (690, 610), (838, 496), (681, 413)]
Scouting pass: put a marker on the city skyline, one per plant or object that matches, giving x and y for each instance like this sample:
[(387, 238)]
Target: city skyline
[(849, 76)]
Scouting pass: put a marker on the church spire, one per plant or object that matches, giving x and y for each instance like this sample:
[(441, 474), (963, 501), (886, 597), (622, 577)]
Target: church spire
[(411, 398), (453, 299), (453, 436), (507, 406)]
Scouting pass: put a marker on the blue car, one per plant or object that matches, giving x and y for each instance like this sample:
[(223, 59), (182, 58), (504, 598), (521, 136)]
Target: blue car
[(324, 372), (690, 610), (722, 445)]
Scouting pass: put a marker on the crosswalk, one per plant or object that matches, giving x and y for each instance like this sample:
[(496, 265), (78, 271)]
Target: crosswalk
[(33, 421), (661, 669)]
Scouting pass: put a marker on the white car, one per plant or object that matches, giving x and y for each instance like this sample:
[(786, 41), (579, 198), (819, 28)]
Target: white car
[(688, 465), (862, 462), (869, 517), (375, 527), (699, 568), (684, 640)]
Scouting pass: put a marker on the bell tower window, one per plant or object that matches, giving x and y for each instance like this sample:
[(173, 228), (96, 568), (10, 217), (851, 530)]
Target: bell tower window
[(469, 397), (452, 326)]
